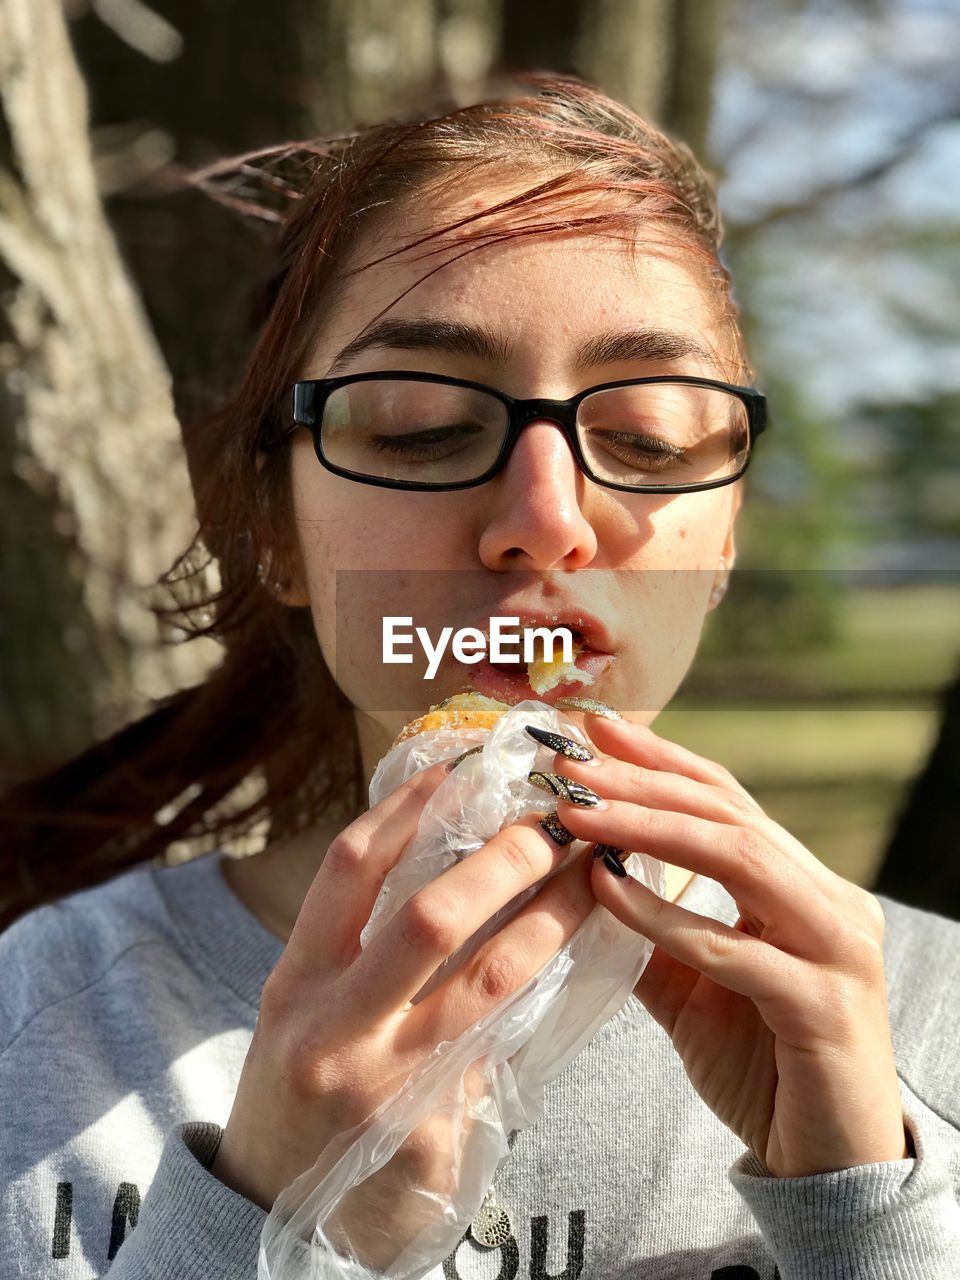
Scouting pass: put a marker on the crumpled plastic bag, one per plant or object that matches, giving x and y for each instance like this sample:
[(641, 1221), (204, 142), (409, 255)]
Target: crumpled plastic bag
[(477, 1090)]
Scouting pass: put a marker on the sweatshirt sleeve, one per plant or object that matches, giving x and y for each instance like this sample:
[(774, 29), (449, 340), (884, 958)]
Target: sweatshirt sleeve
[(192, 1225), (893, 1220)]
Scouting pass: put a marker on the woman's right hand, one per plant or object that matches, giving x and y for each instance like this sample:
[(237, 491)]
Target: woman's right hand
[(337, 1033)]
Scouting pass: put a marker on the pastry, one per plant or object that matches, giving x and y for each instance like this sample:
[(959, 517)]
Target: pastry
[(461, 711)]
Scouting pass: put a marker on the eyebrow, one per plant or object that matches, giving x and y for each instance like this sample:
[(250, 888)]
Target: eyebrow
[(427, 333)]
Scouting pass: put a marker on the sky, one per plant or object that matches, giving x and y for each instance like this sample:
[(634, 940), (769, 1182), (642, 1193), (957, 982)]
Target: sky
[(862, 293)]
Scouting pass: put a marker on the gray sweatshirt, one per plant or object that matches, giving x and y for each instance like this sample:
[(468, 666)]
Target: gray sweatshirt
[(125, 1015)]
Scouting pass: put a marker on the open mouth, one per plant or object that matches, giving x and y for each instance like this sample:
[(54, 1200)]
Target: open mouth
[(544, 679), (579, 645)]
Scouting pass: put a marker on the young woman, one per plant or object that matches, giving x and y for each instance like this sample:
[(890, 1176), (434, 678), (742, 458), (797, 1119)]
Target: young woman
[(520, 391)]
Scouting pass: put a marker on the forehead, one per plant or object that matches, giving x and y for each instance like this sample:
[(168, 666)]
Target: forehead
[(544, 295)]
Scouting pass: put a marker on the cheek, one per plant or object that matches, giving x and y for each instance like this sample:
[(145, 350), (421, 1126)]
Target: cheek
[(666, 597), (357, 546), (690, 531)]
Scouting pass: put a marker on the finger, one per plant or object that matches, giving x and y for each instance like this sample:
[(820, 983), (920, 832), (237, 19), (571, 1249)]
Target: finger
[(771, 886), (735, 960), (326, 934), (447, 912), (639, 745), (677, 793), (514, 955), (659, 788)]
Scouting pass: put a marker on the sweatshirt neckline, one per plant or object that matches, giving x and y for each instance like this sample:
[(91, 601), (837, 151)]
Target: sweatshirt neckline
[(234, 944)]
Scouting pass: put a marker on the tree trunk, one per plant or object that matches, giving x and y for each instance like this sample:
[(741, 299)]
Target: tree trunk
[(688, 94), (541, 35), (625, 47), (96, 426)]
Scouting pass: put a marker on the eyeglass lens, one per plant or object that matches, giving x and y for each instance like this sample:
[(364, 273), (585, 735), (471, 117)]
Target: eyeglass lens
[(432, 433)]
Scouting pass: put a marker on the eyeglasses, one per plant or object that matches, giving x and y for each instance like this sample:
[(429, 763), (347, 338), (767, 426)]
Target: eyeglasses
[(403, 430)]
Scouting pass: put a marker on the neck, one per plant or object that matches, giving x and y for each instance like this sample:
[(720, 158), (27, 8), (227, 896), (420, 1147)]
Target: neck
[(273, 884)]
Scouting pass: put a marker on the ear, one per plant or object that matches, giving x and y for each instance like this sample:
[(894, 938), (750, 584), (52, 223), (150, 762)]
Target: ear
[(283, 574), (296, 595)]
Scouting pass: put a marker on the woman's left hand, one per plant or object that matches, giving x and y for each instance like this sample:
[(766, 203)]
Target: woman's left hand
[(781, 1022)]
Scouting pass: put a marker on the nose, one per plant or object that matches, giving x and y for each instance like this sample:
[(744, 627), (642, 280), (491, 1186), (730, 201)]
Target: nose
[(536, 506)]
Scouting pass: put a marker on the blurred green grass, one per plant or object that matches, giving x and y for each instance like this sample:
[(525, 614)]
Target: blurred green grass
[(828, 740)]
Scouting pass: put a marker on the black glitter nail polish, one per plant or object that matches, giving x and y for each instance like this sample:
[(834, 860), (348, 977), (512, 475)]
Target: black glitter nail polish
[(557, 742), (555, 829), (566, 788), (601, 851)]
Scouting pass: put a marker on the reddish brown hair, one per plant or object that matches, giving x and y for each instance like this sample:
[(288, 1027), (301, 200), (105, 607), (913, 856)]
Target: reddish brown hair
[(272, 708)]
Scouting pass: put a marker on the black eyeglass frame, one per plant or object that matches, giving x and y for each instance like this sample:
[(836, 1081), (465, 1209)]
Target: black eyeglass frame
[(309, 398)]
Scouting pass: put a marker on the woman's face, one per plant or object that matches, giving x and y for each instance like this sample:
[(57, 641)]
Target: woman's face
[(540, 540)]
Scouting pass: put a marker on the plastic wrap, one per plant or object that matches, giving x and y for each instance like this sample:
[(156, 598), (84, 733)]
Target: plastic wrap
[(466, 1099)]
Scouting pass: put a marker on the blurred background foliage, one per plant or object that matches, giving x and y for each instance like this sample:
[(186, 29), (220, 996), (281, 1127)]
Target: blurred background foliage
[(828, 680)]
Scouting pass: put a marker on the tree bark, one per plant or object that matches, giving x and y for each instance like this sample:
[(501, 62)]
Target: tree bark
[(688, 93), (96, 424)]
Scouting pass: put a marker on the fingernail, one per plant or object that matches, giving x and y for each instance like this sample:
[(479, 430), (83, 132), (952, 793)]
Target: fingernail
[(557, 742), (577, 703), (601, 851), (612, 862), (471, 751), (555, 829), (567, 789)]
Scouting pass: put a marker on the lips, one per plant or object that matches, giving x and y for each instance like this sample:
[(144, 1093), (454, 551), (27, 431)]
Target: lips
[(509, 682), (587, 630)]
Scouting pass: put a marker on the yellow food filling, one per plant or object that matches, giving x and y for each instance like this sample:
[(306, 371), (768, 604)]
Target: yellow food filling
[(545, 674), (462, 711)]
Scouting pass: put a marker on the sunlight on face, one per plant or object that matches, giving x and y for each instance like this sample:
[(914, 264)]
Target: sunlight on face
[(540, 536)]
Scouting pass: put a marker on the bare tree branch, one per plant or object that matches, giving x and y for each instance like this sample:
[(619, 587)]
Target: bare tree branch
[(814, 200)]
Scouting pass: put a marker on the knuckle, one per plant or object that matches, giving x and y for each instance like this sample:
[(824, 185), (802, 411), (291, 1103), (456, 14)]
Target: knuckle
[(496, 975), (865, 952), (345, 855), (718, 945), (520, 856), (740, 805), (718, 775), (428, 923), (860, 934), (317, 1066), (642, 778), (310, 1075), (751, 851), (873, 909), (421, 1160), (302, 1071)]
